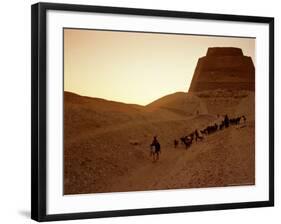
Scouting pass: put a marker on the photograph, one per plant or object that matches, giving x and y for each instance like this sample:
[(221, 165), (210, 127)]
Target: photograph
[(146, 111)]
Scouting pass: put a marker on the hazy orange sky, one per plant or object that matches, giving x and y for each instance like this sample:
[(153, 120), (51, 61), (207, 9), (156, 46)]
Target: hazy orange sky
[(133, 67)]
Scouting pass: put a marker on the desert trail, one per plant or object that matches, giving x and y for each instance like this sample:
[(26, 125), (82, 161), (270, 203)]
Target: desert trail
[(106, 144)]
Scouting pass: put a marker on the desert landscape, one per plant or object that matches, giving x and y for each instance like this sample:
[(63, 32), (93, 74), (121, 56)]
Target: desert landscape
[(107, 143)]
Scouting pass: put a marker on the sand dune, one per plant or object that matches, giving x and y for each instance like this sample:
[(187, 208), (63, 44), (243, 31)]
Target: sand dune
[(186, 104), (106, 144)]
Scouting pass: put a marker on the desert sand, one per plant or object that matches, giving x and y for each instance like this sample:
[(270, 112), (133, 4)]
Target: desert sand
[(106, 144)]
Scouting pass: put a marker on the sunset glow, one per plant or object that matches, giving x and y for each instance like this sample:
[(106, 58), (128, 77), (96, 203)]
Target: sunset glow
[(133, 67)]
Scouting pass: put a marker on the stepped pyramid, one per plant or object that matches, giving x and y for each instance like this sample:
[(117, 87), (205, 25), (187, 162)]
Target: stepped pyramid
[(224, 68)]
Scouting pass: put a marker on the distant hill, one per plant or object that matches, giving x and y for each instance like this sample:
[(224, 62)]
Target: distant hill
[(181, 103)]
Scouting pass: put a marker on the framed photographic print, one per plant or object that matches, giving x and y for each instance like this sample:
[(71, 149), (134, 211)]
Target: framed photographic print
[(140, 111)]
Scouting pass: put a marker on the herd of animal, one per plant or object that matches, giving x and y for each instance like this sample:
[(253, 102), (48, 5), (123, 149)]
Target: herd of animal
[(199, 135)]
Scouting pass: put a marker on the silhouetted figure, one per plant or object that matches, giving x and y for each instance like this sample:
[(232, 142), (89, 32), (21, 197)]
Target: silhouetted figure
[(212, 128), (221, 126), (235, 121), (226, 121), (204, 131), (215, 127), (244, 119), (197, 136), (157, 149), (176, 142), (187, 140)]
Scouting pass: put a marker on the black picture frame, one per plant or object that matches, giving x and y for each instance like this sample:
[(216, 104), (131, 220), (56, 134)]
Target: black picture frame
[(39, 122)]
